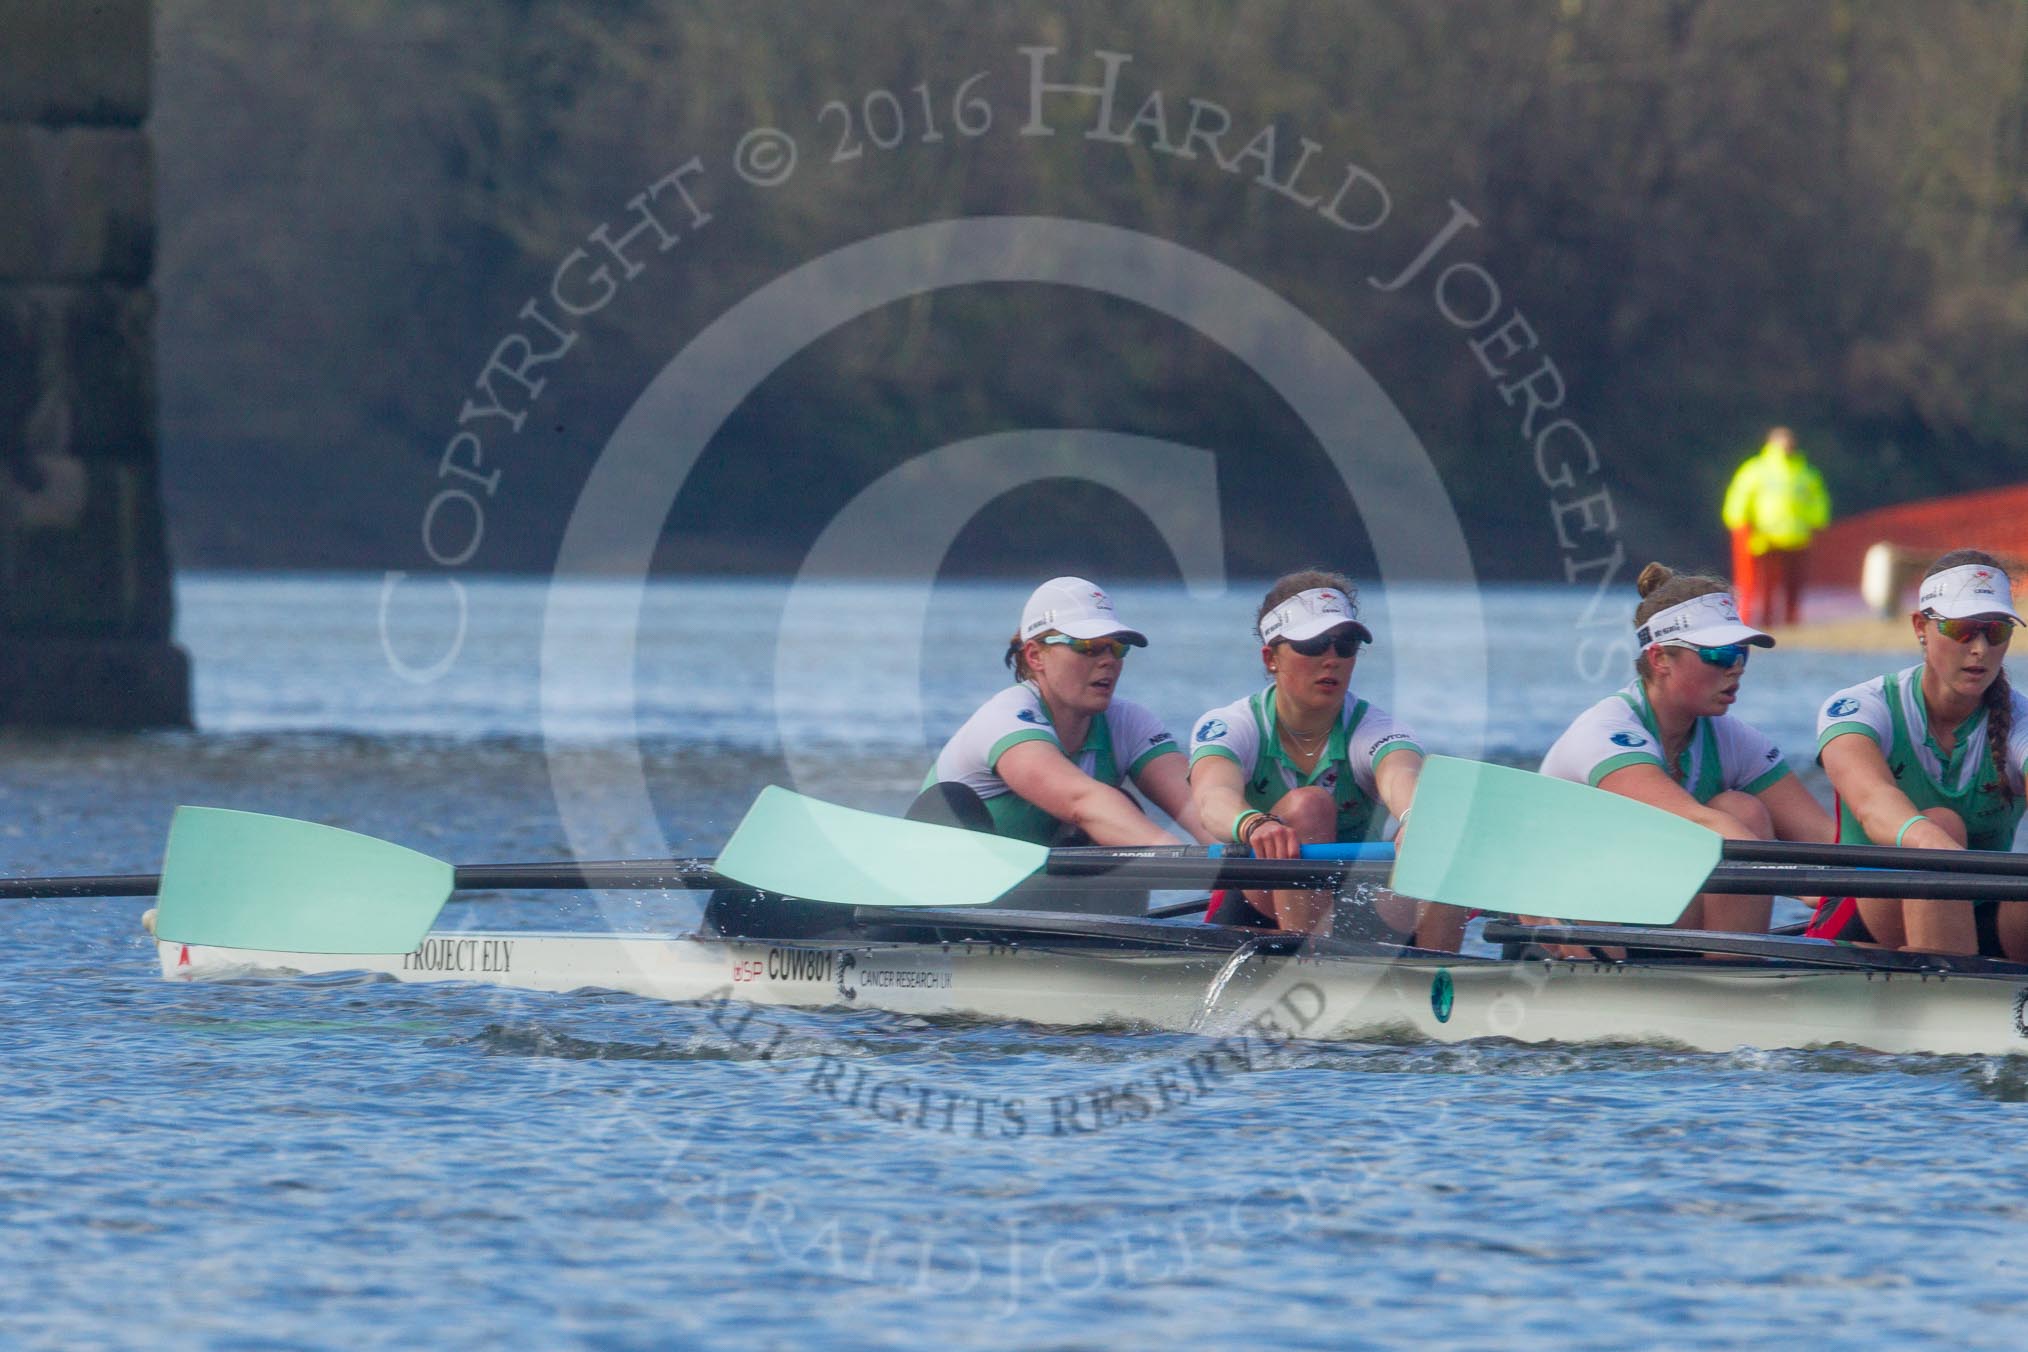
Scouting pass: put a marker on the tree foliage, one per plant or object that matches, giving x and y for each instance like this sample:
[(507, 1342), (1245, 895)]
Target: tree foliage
[(1716, 215)]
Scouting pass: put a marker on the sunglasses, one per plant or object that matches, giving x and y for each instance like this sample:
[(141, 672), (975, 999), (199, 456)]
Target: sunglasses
[(1995, 632), (1344, 644), (1091, 647), (1727, 655)]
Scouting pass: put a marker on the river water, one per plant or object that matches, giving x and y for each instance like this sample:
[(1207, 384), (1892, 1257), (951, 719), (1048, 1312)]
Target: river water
[(347, 1162)]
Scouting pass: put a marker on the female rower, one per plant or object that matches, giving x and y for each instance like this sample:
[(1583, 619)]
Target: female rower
[(1043, 761), (1306, 761), (1666, 739), (1933, 758)]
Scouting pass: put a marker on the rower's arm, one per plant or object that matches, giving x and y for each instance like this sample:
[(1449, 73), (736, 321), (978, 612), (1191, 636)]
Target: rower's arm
[(1166, 781), (1394, 778), (1648, 784), (1045, 777), (1797, 813), (1859, 773), (1218, 788)]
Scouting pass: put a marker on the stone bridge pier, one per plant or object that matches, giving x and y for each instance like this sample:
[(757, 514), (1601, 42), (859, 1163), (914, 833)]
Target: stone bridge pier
[(85, 604)]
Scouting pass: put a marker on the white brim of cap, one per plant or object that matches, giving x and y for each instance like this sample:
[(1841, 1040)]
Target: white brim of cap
[(1982, 612), (1313, 625), (1719, 636), (1101, 629)]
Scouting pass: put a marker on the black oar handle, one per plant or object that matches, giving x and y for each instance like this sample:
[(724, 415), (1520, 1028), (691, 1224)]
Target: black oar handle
[(1178, 870), (614, 874), (1866, 882), (611, 874), (1877, 856), (105, 885)]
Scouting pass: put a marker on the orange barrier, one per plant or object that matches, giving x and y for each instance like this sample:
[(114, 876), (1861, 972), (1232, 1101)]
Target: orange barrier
[(1994, 519)]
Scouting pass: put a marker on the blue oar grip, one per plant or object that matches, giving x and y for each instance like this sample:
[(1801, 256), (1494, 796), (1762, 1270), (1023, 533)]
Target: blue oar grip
[(1346, 850)]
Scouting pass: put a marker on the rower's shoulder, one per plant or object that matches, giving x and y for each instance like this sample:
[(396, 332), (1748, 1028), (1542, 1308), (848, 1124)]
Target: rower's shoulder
[(1020, 702)]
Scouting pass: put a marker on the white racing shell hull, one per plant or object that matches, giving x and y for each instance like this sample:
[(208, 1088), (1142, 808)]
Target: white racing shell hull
[(1701, 1006)]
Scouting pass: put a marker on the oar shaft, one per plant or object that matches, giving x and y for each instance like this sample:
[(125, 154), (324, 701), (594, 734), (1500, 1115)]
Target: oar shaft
[(1752, 879), (1991, 862), (608, 874), (105, 885), (613, 874)]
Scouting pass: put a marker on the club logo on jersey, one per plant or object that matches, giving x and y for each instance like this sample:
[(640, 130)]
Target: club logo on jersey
[(1841, 708), (1774, 753), (1629, 739), (1212, 730), (1028, 715)]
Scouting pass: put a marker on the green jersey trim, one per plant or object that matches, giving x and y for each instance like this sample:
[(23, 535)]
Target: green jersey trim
[(1152, 754), (1405, 744), (1617, 763), (1014, 739), (1837, 730), (1770, 779)]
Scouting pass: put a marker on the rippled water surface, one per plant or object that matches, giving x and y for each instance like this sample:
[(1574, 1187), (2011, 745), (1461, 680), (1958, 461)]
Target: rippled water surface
[(345, 1161)]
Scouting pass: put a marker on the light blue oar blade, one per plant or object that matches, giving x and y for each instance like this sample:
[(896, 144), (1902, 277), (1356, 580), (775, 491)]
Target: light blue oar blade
[(244, 880), (1521, 843), (803, 847)]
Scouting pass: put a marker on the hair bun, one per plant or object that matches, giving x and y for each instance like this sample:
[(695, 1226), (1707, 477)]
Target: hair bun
[(1653, 576)]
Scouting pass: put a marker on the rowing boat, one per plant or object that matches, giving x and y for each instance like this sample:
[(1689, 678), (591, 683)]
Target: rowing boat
[(1086, 972), (816, 906)]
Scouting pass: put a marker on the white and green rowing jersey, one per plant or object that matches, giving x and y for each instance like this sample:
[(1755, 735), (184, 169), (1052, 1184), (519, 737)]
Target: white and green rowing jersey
[(1619, 731), (1121, 742), (1890, 710), (1246, 732)]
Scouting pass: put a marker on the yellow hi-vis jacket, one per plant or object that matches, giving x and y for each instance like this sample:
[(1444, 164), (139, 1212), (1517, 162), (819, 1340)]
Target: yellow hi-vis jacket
[(1780, 499)]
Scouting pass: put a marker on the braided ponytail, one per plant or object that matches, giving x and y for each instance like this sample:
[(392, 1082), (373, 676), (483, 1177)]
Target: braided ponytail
[(1999, 701), (1999, 697)]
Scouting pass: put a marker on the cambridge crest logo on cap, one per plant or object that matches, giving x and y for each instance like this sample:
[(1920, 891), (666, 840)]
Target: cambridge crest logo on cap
[(1077, 607), (1966, 591)]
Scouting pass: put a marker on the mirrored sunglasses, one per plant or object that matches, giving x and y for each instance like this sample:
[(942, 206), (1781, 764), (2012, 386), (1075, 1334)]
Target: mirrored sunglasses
[(1344, 643), (1727, 655), (1995, 632), (1090, 647)]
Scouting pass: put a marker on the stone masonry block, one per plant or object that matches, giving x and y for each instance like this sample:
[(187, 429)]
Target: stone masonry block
[(76, 203), (75, 60), (77, 373)]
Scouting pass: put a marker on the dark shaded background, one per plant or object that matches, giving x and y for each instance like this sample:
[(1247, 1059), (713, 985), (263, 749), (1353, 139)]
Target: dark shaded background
[(1716, 215)]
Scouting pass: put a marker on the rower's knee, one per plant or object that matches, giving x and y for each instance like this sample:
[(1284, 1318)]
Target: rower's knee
[(1311, 813), (1747, 810)]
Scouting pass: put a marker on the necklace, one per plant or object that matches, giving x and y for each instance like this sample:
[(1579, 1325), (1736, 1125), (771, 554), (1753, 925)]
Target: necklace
[(1306, 745)]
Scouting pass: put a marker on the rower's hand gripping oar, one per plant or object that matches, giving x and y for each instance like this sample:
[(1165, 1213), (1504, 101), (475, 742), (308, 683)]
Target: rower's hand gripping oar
[(803, 847)]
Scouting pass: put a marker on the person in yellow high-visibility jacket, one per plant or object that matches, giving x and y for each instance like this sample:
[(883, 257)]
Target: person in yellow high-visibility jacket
[(1775, 503)]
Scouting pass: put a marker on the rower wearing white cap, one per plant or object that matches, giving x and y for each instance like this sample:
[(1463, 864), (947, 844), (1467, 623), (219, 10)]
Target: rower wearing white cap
[(1933, 757), (1044, 760), (1668, 739), (1305, 761)]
